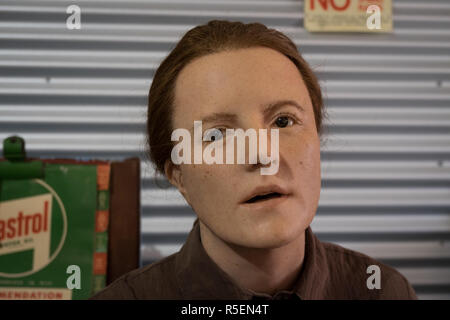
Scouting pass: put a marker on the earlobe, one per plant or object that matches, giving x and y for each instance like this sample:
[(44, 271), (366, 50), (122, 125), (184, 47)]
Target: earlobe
[(174, 175), (170, 171)]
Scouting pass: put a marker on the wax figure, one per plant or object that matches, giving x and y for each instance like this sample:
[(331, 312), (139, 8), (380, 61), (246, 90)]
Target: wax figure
[(252, 237)]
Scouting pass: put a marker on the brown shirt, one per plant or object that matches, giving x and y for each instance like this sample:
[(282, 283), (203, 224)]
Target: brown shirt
[(329, 271)]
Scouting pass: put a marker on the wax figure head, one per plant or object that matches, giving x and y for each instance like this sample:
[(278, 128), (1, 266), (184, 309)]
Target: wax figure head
[(236, 72)]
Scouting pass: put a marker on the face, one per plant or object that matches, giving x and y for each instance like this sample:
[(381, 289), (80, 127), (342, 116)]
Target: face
[(243, 83)]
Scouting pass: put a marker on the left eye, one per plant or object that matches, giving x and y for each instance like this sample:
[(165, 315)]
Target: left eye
[(213, 134), (284, 121)]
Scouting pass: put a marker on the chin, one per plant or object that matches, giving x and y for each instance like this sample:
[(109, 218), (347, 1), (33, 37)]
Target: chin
[(272, 236)]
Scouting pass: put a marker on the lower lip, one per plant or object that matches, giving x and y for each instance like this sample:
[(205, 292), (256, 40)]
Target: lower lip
[(265, 204)]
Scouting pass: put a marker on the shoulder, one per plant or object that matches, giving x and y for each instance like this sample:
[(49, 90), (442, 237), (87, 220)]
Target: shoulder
[(360, 276), (155, 281)]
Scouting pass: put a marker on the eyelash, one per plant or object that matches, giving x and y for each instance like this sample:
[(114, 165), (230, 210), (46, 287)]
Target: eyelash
[(285, 114), (289, 115)]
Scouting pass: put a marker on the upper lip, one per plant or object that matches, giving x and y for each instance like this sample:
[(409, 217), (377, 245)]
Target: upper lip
[(262, 190)]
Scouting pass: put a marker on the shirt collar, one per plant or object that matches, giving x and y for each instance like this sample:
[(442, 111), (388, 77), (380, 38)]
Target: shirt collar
[(201, 278)]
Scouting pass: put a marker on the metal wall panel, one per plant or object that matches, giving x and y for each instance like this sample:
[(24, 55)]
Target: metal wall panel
[(385, 159)]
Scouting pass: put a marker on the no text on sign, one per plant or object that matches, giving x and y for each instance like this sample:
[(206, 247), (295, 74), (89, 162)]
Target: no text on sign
[(348, 15)]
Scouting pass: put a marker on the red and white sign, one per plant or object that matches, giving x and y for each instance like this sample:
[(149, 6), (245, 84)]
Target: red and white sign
[(348, 15)]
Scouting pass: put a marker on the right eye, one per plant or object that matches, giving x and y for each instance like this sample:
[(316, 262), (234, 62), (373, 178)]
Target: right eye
[(213, 134)]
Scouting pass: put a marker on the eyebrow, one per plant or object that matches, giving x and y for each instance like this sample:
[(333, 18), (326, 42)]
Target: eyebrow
[(271, 107), (220, 116), (267, 110)]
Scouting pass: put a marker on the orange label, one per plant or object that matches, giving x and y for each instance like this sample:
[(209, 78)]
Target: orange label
[(103, 174), (101, 220), (100, 263)]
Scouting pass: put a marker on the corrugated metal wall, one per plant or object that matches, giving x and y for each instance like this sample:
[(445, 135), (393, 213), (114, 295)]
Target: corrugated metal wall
[(386, 160)]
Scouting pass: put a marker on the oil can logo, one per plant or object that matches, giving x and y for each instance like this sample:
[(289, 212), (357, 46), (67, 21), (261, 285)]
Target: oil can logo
[(26, 227)]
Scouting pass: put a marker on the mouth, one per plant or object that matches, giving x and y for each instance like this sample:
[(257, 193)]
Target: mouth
[(264, 197)]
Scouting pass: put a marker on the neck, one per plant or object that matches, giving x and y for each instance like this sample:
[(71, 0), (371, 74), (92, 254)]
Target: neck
[(260, 270)]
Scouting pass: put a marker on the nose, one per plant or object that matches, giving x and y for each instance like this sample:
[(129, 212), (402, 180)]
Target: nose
[(264, 155)]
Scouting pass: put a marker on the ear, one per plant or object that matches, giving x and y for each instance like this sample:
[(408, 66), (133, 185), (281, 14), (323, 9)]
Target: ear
[(175, 177)]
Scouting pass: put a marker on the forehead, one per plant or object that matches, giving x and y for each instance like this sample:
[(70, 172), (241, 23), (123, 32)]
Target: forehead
[(236, 81)]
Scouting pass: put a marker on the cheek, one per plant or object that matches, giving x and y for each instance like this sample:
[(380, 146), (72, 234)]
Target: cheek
[(310, 158), (305, 158), (309, 171), (205, 184), (202, 175)]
